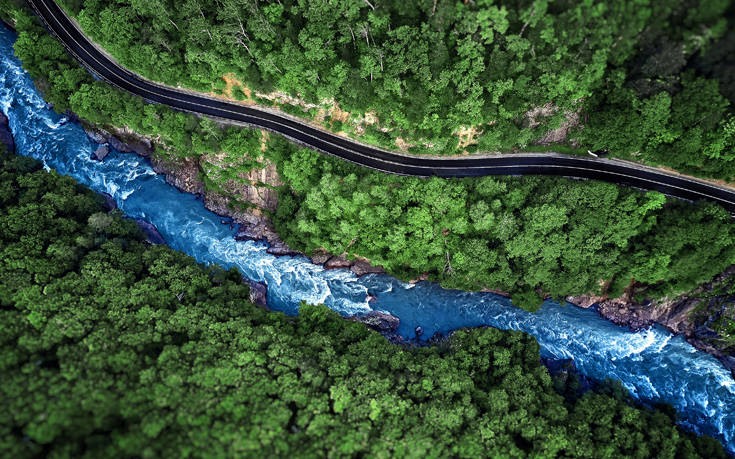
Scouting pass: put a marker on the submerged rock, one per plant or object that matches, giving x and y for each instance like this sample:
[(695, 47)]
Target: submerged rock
[(152, 236)]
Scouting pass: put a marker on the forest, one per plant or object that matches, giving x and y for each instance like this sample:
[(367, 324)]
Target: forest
[(531, 237), (528, 236), (115, 348), (644, 80)]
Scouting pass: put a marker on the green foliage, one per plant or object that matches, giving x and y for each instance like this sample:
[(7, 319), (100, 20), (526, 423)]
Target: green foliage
[(428, 69), (69, 87), (112, 348), (520, 235)]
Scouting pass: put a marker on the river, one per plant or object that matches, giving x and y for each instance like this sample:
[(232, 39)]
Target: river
[(652, 364)]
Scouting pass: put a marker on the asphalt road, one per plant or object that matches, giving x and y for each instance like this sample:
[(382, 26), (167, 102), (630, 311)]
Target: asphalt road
[(610, 170)]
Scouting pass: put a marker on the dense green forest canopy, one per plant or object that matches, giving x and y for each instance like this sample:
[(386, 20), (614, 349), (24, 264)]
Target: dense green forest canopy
[(113, 348), (531, 237), (641, 78), (528, 236)]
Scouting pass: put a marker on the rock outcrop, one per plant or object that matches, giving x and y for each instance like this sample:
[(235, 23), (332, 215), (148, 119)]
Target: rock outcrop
[(382, 322), (101, 152), (337, 262), (359, 266), (258, 292), (183, 173), (120, 139), (152, 236), (319, 257), (110, 203), (691, 315), (248, 198)]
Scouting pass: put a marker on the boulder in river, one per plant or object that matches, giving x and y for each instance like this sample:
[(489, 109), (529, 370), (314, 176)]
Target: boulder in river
[(151, 232), (6, 137), (110, 203), (101, 152), (258, 292)]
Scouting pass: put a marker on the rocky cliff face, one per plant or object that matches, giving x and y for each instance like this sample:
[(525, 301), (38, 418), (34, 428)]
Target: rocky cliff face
[(692, 315), (121, 139)]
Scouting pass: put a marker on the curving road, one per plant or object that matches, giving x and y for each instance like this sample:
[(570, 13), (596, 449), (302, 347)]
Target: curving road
[(610, 170)]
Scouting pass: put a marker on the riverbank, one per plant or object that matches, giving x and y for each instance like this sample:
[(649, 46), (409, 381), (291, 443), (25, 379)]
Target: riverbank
[(692, 315), (676, 315), (563, 371), (258, 191)]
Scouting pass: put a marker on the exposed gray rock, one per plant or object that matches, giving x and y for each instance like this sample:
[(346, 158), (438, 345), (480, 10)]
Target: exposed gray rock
[(152, 236), (320, 257), (362, 267), (258, 292), (338, 262), (101, 152), (690, 315), (183, 174), (121, 140), (280, 248), (96, 135), (254, 231), (379, 321)]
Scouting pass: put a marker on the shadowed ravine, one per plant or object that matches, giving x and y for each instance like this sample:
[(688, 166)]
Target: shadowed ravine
[(652, 364)]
